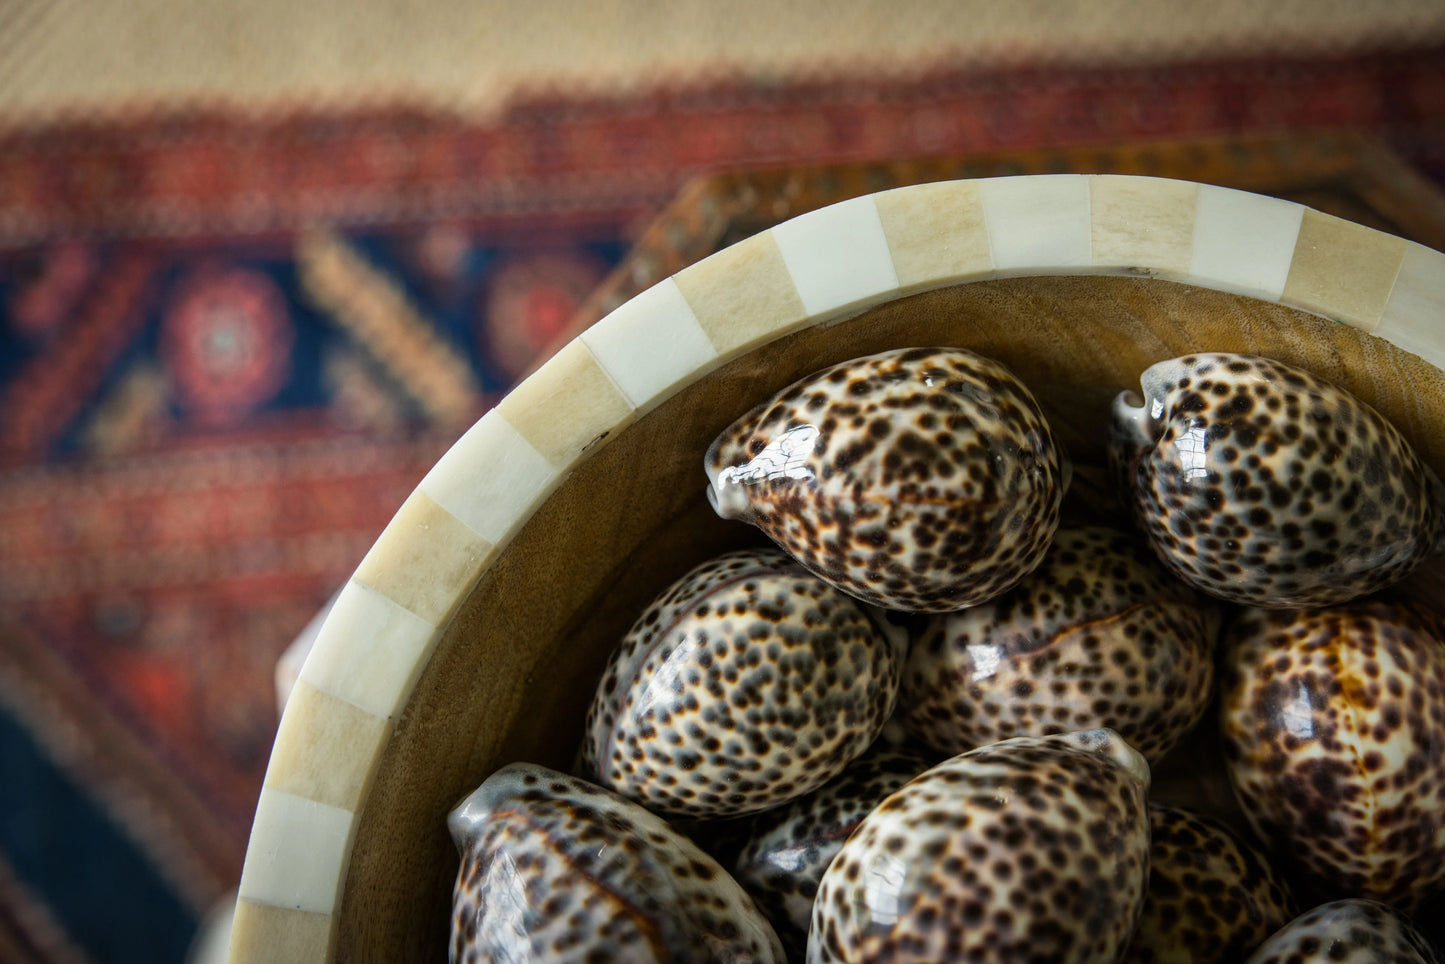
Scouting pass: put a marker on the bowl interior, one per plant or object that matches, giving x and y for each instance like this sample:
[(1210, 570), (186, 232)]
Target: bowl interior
[(514, 669)]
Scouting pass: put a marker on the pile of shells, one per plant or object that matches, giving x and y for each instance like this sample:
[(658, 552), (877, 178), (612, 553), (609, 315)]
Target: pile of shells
[(940, 719)]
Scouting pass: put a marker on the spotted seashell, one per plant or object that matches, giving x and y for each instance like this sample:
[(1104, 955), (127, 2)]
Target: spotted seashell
[(1348, 931), (1264, 485), (1212, 898), (1333, 726), (791, 846), (747, 683), (923, 480), (556, 869), (1098, 635), (1031, 849)]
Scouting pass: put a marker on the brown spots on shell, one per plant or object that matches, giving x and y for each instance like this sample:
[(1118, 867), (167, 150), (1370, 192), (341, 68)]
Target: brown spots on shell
[(1311, 498), (1333, 724), (1212, 898), (923, 479), (788, 848), (1098, 635), (745, 684), (1027, 849), (1350, 931), (556, 869)]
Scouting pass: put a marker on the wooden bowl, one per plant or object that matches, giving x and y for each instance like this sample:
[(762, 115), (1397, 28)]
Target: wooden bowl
[(474, 631)]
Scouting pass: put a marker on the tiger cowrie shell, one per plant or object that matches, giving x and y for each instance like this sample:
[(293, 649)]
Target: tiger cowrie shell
[(1350, 931), (924, 479), (1212, 898), (1030, 849), (1265, 485), (557, 869), (1099, 635), (1333, 726), (747, 683)]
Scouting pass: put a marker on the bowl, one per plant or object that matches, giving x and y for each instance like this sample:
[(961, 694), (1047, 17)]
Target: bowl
[(474, 631)]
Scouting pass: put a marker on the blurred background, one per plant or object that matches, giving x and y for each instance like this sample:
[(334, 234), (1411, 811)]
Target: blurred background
[(261, 263)]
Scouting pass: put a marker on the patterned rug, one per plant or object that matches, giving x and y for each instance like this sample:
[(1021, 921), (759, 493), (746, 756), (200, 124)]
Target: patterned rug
[(231, 344)]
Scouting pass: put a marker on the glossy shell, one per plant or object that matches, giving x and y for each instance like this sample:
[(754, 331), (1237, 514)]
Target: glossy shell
[(1348, 932), (1099, 635), (922, 480), (1032, 849), (1267, 486), (1212, 898), (747, 683), (556, 869), (790, 847), (1334, 736)]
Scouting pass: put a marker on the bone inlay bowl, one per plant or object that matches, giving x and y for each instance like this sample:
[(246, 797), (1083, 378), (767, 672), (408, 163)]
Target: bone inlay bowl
[(473, 633)]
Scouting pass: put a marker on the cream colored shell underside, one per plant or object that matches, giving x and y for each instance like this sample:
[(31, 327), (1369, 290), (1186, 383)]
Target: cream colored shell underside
[(821, 266)]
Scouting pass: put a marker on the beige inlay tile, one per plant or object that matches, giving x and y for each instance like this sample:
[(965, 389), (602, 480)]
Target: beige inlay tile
[(369, 651), (937, 234), (425, 558), (743, 295), (298, 853), (566, 405), (1414, 316), (1144, 222), (490, 479), (328, 748), (1343, 270), (651, 344), (262, 934)]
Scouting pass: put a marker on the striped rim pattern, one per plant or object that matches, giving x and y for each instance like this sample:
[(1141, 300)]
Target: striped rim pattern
[(821, 266)]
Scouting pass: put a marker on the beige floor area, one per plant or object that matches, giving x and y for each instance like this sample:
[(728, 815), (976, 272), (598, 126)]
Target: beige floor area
[(73, 57)]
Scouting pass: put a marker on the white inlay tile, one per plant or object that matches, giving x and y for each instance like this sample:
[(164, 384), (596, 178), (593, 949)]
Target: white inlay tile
[(651, 344), (369, 651), (297, 854), (838, 256), (1244, 242), (1038, 224), (491, 479), (1414, 316)]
